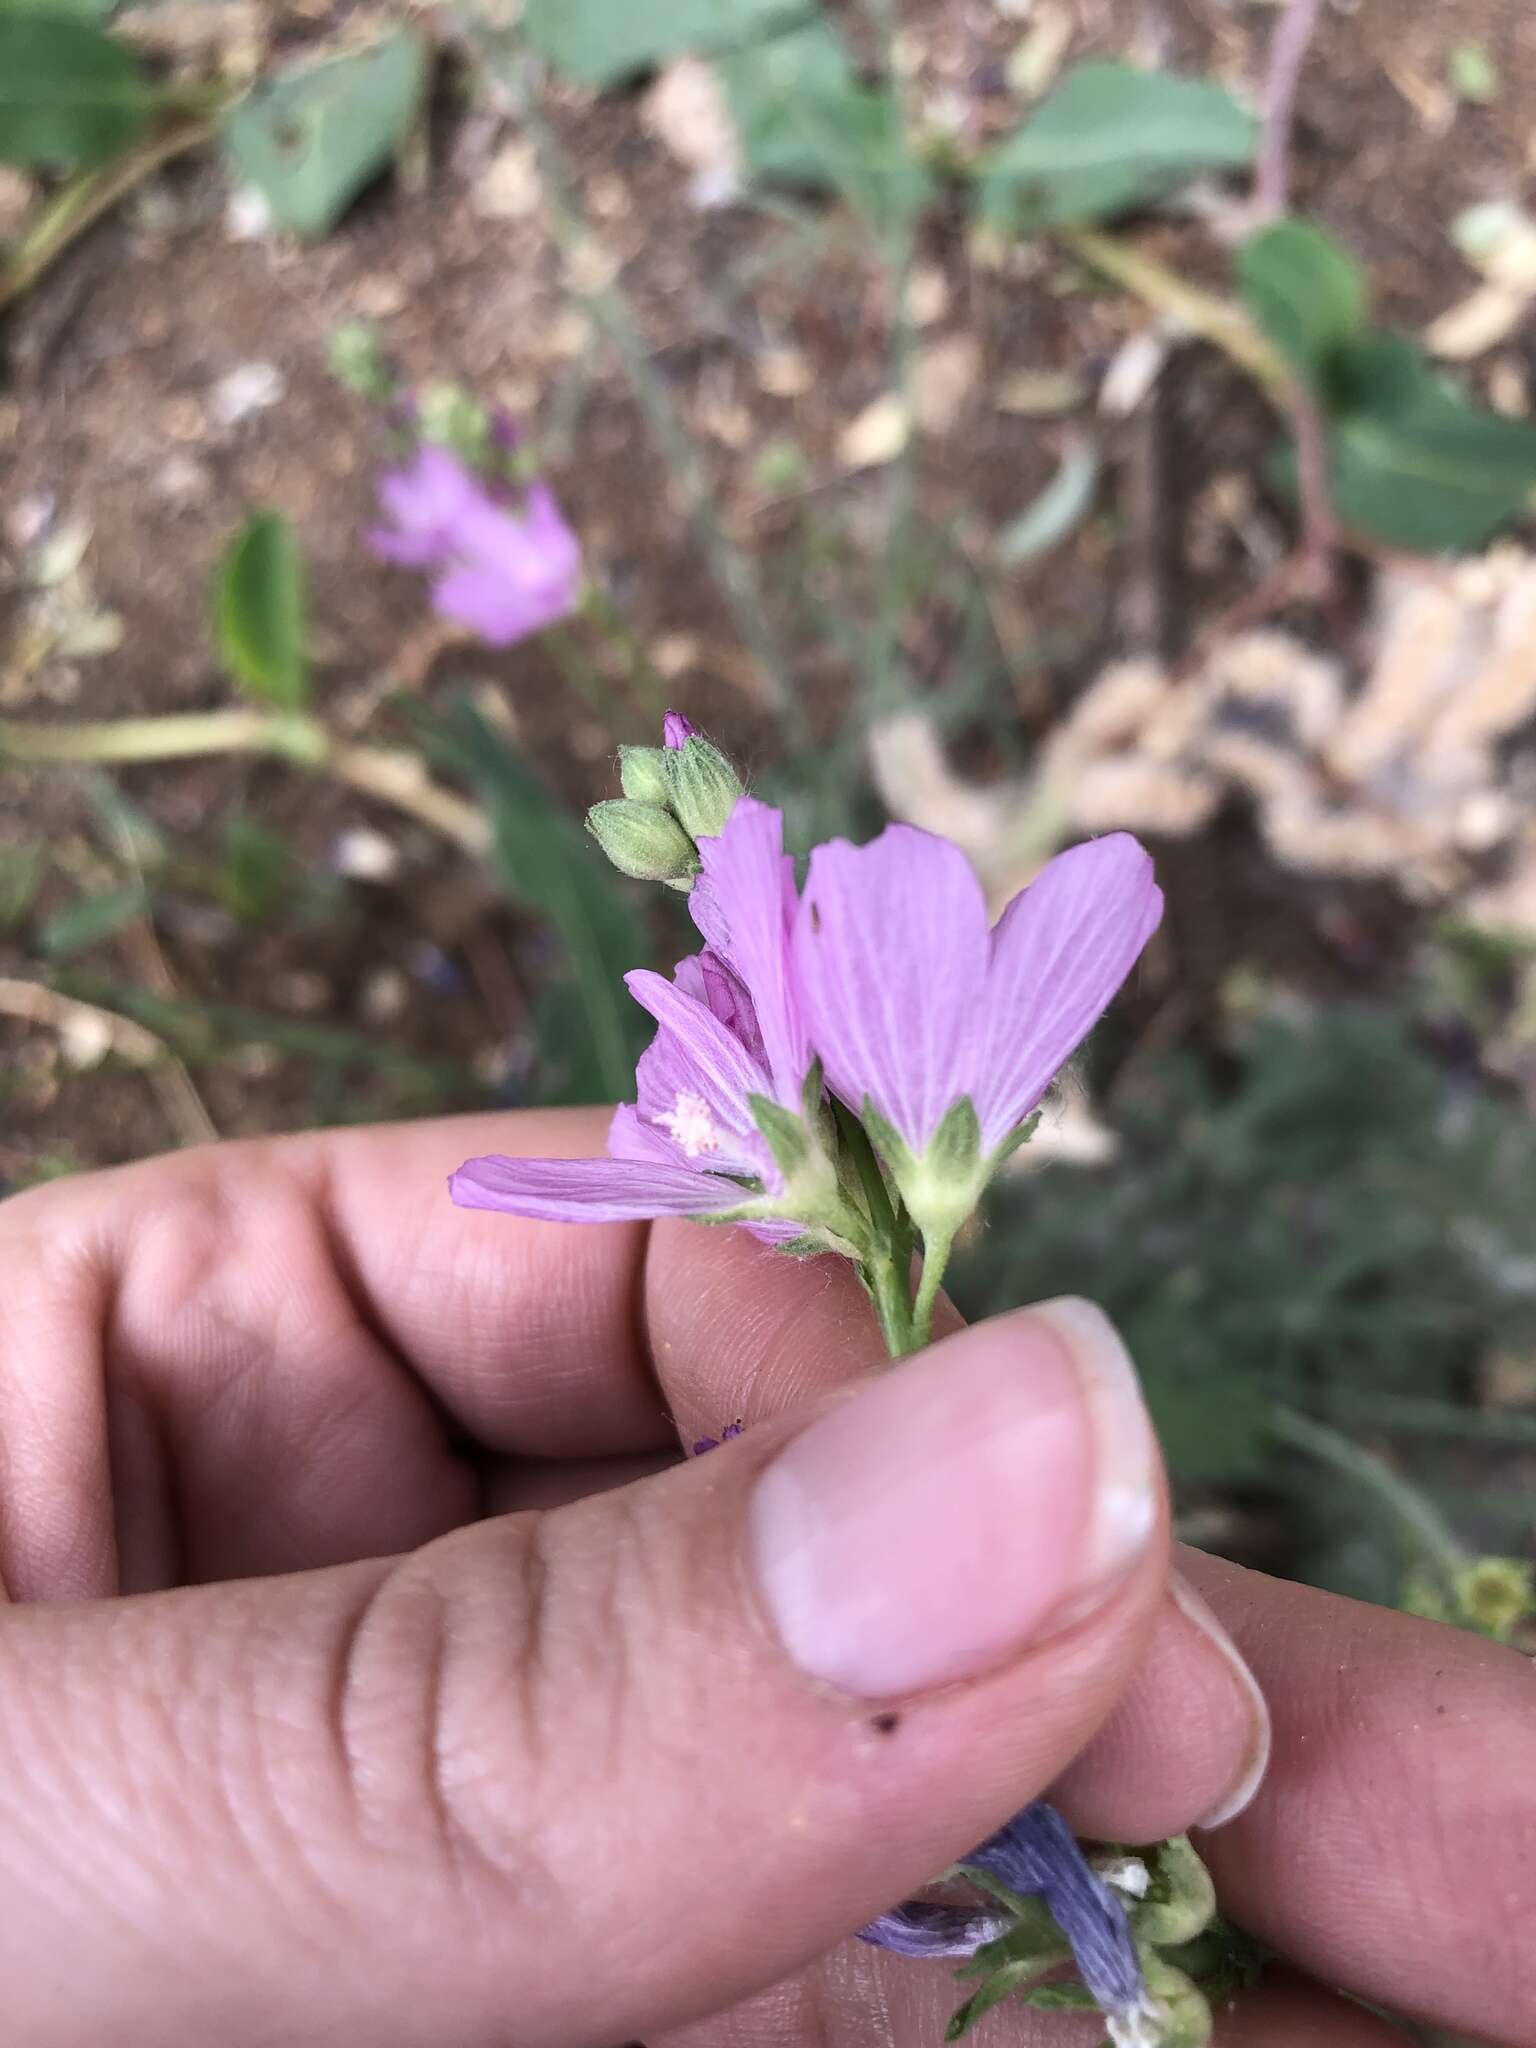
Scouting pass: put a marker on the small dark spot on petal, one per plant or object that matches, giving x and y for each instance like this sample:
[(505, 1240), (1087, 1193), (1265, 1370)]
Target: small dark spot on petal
[(885, 1724), (816, 918)]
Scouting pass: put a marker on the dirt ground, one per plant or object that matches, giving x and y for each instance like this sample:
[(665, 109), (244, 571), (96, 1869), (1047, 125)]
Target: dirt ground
[(115, 410)]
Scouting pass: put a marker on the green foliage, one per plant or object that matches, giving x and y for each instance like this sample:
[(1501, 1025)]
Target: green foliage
[(310, 139), (70, 95), (91, 918), (601, 42), (1413, 460), (1110, 139), (1418, 463), (1335, 1223), (1305, 291), (806, 117), (260, 613), (260, 879), (21, 876), (589, 1033)]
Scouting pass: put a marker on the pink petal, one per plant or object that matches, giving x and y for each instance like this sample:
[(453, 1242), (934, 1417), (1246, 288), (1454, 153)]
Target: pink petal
[(631, 1137), (717, 1064), (890, 951), (1059, 954), (495, 610), (589, 1190), (747, 911)]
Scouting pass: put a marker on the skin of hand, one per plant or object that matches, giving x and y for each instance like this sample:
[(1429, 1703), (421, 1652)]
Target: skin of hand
[(372, 1668)]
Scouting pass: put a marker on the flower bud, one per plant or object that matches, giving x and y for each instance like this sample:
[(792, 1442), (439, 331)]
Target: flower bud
[(676, 729), (448, 416), (643, 775), (642, 840), (704, 787)]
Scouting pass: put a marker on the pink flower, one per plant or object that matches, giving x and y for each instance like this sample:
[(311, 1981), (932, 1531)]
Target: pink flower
[(886, 972), (913, 1004), (690, 1144), (503, 570), (676, 730)]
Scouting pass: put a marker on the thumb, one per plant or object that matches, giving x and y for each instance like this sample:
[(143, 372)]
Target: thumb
[(593, 1772)]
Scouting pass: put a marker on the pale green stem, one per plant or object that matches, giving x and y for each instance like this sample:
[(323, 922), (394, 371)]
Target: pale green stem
[(87, 197), (1421, 1521), (394, 777), (936, 1251)]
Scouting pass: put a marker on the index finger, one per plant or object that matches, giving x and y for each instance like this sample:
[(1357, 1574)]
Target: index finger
[(1392, 1847)]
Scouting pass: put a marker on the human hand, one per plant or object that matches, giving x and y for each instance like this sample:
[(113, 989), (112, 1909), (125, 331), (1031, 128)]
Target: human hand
[(603, 1767)]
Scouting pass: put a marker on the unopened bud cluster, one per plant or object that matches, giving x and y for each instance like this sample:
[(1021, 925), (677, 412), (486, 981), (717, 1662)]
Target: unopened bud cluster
[(674, 796)]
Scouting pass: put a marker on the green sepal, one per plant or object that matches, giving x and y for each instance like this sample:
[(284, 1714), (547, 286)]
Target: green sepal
[(954, 1150), (811, 1093), (1015, 1140), (643, 775), (787, 1137), (810, 1245), (1180, 1900), (704, 787), (887, 1141), (1184, 2015), (642, 840)]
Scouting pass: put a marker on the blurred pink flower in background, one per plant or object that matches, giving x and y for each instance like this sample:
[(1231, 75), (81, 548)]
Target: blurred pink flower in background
[(504, 568)]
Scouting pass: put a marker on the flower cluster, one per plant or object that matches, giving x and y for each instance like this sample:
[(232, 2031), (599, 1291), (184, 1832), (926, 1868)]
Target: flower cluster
[(841, 1067), (844, 1065)]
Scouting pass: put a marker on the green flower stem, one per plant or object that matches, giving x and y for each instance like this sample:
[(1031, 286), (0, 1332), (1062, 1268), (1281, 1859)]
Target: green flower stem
[(893, 1304), (936, 1250)]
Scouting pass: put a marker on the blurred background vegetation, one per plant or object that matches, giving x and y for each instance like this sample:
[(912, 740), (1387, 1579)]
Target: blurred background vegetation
[(1023, 417)]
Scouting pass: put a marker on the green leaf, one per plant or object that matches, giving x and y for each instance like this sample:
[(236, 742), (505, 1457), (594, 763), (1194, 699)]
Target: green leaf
[(69, 95), (310, 139), (954, 1150), (600, 42), (1418, 464), (260, 612), (806, 117), (589, 1033), (1111, 138), (1305, 292), (90, 919), (1059, 509)]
